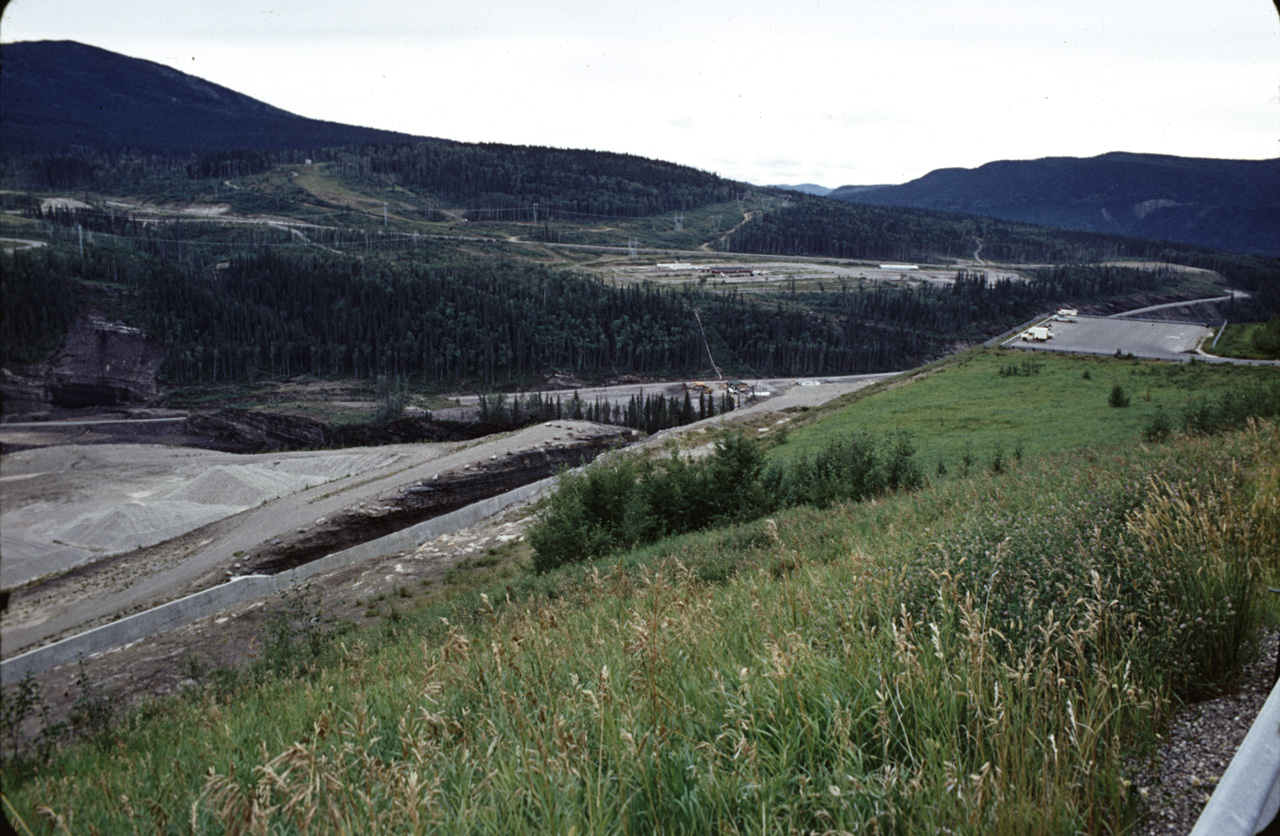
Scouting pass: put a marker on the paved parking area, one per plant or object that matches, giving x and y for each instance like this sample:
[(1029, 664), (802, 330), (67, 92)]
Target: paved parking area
[(1099, 335)]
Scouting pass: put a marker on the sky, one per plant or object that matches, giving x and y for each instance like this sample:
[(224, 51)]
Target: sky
[(809, 91)]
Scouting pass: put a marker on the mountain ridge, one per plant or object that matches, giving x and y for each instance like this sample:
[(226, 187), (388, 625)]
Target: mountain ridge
[(56, 96), (64, 97), (1225, 204)]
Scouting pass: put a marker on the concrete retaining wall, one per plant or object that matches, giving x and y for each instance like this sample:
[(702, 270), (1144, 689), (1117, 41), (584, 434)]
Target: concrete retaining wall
[(248, 587)]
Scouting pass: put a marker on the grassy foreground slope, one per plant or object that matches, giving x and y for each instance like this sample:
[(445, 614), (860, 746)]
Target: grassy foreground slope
[(980, 656)]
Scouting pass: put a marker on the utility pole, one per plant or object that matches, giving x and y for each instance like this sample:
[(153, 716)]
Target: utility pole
[(384, 214)]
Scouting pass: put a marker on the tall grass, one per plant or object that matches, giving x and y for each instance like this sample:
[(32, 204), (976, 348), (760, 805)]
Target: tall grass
[(976, 657)]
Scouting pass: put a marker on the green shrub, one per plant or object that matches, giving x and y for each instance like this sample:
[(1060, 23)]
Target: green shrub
[(1233, 410), (620, 503), (1158, 428), (1267, 338), (591, 513), (849, 468)]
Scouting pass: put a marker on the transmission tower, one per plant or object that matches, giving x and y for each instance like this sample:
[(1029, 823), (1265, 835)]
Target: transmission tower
[(679, 219), (633, 248)]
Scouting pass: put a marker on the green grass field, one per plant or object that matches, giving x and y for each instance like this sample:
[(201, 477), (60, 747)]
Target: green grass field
[(1052, 403)]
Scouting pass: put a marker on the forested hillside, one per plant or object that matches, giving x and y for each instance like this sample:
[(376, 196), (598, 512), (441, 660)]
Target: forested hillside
[(456, 321), (1225, 204), (253, 244), (505, 182), (817, 226), (813, 226), (62, 97), (440, 318)]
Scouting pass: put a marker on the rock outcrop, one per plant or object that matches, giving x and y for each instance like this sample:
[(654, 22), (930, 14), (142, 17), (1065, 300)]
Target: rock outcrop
[(102, 363), (243, 431)]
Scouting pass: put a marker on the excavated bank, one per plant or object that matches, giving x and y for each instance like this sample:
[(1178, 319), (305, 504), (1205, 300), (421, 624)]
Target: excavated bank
[(422, 501)]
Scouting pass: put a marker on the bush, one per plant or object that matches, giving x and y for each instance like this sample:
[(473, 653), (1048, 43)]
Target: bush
[(295, 636), (1267, 338), (997, 461), (1118, 398), (1158, 428), (591, 513), (1232, 411), (850, 468), (620, 504)]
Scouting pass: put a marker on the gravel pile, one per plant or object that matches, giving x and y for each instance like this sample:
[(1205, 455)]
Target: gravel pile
[(238, 485), (68, 505), (135, 524)]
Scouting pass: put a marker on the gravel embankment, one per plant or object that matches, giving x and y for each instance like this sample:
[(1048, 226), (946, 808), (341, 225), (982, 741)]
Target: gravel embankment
[(1201, 741)]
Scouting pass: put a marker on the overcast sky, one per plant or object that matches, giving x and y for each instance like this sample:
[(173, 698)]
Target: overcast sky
[(849, 92)]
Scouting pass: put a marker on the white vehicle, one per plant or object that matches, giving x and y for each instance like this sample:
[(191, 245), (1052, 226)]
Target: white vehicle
[(1039, 333)]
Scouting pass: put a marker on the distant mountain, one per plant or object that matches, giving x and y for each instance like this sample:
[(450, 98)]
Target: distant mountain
[(60, 95), (1224, 204), (844, 192), (805, 188)]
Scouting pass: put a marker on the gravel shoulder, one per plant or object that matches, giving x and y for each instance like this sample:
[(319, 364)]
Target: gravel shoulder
[(1202, 738)]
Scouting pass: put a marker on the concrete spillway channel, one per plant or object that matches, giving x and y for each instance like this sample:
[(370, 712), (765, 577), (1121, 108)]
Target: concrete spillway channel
[(420, 513)]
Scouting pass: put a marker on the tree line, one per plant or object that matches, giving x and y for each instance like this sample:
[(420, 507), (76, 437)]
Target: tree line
[(41, 300), (441, 319), (621, 502), (650, 413), (498, 182)]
